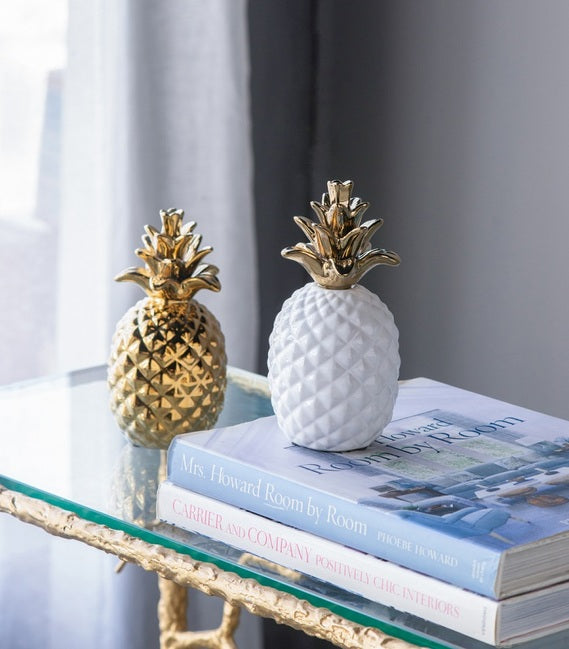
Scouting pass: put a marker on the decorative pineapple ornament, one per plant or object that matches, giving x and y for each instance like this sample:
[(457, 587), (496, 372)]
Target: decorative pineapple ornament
[(167, 369), (333, 352)]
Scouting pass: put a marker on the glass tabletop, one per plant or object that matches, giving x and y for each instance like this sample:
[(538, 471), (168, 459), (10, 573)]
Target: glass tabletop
[(60, 443)]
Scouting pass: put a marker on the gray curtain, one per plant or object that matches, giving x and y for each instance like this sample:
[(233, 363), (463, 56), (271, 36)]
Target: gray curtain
[(283, 46)]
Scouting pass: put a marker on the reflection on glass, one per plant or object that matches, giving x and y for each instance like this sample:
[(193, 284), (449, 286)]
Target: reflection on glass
[(135, 483), (60, 443)]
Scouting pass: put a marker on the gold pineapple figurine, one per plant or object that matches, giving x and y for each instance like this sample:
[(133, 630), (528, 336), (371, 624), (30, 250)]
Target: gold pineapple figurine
[(167, 368)]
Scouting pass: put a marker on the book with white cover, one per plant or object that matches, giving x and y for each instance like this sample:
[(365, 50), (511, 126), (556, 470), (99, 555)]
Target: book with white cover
[(510, 621), (459, 486)]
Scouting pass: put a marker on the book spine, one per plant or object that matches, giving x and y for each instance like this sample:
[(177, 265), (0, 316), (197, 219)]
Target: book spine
[(372, 530), (367, 576)]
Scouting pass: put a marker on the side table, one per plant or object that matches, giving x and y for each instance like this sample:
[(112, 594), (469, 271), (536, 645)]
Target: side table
[(66, 468)]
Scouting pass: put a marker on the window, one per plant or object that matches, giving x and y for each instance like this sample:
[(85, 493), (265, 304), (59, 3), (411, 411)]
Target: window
[(33, 54), (32, 60)]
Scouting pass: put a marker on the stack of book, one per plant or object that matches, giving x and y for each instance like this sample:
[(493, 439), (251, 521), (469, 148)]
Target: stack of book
[(458, 513)]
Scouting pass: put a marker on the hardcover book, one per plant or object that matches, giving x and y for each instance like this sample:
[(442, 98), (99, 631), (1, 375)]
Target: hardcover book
[(513, 620), (459, 486)]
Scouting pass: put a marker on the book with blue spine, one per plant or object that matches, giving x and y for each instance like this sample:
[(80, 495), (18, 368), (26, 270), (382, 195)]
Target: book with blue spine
[(459, 486), (504, 622)]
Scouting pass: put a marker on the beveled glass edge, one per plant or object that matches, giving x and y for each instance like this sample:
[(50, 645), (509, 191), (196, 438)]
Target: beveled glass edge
[(252, 383), (155, 538)]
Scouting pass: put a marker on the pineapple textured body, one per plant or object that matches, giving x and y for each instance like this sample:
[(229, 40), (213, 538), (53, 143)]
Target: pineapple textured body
[(167, 370), (333, 367)]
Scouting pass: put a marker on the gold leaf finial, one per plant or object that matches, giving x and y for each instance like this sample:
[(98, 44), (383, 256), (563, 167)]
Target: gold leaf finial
[(172, 256), (339, 253)]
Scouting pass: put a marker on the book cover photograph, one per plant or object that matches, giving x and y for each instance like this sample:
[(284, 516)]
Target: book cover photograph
[(458, 485)]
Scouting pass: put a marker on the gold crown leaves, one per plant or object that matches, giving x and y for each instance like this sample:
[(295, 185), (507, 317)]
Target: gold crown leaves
[(173, 268), (339, 251)]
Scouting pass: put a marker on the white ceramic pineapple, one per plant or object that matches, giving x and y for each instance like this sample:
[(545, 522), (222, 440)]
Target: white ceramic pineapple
[(333, 352)]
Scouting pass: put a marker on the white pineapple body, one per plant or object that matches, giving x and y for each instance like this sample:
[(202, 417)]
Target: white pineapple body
[(333, 367)]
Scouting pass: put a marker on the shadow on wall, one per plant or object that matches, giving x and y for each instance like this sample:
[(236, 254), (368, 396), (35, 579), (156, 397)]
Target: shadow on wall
[(451, 120)]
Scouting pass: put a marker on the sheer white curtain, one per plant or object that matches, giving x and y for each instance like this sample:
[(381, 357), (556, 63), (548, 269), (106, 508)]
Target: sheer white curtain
[(155, 114)]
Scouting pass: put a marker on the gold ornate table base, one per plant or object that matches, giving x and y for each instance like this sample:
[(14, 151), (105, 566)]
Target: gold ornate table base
[(173, 623), (178, 572)]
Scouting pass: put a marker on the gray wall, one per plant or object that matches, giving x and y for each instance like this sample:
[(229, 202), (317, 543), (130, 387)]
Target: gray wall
[(453, 120)]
